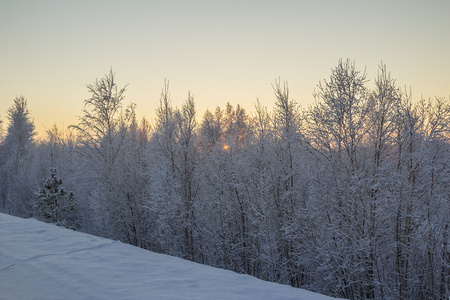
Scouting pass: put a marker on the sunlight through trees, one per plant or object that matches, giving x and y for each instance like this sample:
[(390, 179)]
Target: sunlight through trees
[(348, 197)]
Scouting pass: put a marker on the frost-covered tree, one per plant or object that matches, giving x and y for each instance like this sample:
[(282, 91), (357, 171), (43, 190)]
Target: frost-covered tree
[(336, 130), (2, 134), (173, 161), (101, 136), (210, 130), (99, 127), (263, 207), (57, 150), (161, 161), (131, 180), (287, 180), (16, 153), (224, 189), (421, 200), (53, 203), (20, 132), (187, 172)]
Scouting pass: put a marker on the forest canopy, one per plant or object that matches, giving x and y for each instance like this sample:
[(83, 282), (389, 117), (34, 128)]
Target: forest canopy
[(349, 197)]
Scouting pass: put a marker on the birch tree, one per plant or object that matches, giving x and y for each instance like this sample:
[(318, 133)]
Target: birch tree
[(101, 137)]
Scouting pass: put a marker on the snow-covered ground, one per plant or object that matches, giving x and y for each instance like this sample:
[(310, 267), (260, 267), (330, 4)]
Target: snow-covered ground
[(43, 261)]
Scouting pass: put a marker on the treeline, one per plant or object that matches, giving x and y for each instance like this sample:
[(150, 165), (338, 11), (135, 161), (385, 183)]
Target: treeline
[(349, 197)]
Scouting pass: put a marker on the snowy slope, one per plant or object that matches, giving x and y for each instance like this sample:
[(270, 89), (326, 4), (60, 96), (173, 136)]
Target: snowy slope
[(43, 261)]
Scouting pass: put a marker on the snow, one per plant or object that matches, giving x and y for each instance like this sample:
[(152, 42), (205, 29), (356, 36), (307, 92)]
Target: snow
[(43, 261)]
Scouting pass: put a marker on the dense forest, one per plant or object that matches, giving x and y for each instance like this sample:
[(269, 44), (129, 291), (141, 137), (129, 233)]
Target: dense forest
[(349, 197)]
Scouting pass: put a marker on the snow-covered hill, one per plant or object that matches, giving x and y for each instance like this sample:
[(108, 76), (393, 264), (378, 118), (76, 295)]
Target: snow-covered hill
[(43, 261)]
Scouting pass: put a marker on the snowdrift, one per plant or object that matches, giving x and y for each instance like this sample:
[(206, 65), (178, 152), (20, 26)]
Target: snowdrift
[(43, 261)]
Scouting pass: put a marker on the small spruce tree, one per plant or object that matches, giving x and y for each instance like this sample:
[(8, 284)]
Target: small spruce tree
[(53, 203)]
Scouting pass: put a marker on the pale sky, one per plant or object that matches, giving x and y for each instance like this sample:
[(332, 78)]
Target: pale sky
[(222, 51)]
